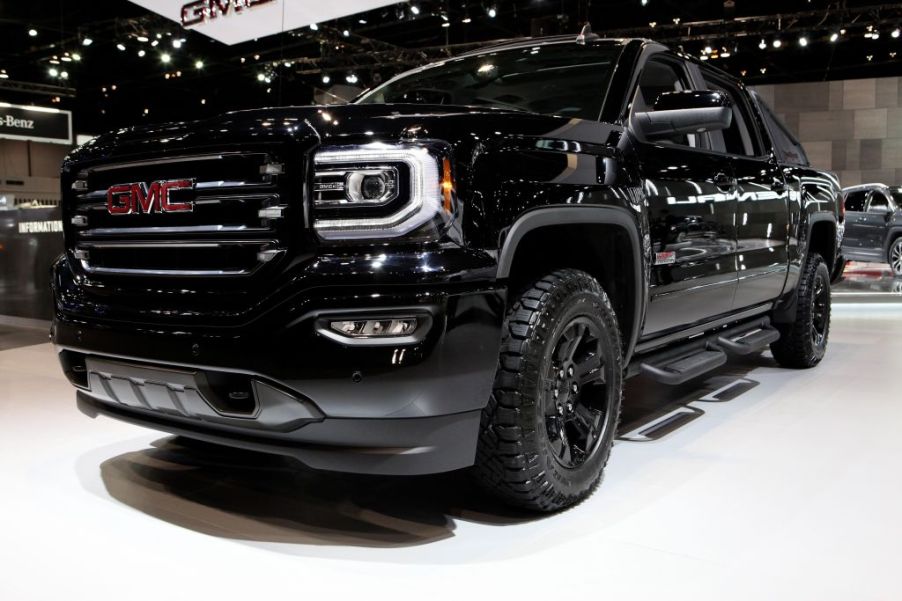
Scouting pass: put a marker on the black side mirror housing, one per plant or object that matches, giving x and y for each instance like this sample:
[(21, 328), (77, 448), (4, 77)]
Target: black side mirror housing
[(687, 112)]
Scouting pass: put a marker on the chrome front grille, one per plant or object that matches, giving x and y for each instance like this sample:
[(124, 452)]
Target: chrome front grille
[(236, 227)]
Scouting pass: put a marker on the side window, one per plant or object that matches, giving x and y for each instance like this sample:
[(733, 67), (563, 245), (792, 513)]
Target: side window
[(879, 203), (741, 137), (787, 147), (855, 201), (657, 77)]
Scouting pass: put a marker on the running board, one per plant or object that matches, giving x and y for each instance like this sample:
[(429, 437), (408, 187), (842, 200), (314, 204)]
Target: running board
[(685, 362)]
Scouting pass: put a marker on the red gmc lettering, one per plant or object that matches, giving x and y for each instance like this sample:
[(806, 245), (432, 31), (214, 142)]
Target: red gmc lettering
[(124, 199)]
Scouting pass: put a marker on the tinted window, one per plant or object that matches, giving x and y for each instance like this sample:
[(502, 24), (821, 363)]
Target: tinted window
[(879, 203), (855, 201), (659, 77), (788, 149), (741, 137), (896, 193), (567, 80)]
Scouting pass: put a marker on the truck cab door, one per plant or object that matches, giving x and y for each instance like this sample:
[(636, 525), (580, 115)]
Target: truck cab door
[(762, 212), (690, 196), (855, 202)]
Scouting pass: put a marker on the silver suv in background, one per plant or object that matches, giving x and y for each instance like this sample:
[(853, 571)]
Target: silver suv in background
[(873, 229)]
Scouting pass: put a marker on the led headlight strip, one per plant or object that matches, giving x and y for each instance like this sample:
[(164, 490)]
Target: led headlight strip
[(424, 200)]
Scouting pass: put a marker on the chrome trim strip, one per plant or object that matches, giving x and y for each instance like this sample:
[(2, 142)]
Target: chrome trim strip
[(173, 159)]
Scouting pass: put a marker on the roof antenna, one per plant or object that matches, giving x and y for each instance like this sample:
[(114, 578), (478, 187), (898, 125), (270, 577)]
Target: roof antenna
[(585, 34)]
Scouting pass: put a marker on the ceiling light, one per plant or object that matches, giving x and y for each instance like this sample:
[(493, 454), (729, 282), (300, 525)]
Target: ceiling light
[(778, 42), (64, 75), (53, 72), (895, 32), (76, 56), (261, 76), (803, 41), (644, 2), (314, 26), (141, 52), (351, 78), (67, 59), (120, 46), (146, 111), (444, 16), (176, 43), (143, 38), (203, 101), (165, 57), (198, 64), (762, 45), (326, 79), (446, 24), (361, 21), (707, 50), (466, 19), (346, 33), (32, 32), (155, 43), (834, 36), (87, 42), (415, 9), (4, 75), (493, 12)]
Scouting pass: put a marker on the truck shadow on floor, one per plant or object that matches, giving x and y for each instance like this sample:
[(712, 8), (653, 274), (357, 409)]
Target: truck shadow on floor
[(249, 496)]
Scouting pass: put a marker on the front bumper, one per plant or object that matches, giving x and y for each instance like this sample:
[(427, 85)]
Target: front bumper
[(410, 408)]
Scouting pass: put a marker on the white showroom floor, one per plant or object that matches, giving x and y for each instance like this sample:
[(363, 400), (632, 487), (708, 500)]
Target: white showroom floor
[(786, 485)]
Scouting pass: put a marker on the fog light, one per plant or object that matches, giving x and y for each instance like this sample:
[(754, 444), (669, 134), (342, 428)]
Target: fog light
[(375, 328)]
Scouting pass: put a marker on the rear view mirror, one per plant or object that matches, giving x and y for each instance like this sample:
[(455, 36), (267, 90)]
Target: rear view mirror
[(688, 112)]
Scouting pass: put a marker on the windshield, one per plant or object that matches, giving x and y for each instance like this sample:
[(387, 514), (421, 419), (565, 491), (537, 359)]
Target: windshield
[(559, 79)]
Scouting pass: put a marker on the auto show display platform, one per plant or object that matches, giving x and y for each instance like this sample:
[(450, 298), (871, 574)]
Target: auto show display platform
[(752, 483)]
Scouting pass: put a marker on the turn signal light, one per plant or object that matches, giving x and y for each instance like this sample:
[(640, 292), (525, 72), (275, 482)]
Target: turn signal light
[(375, 328)]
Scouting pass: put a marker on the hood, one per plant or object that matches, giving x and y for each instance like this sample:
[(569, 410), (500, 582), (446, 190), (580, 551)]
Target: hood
[(323, 125)]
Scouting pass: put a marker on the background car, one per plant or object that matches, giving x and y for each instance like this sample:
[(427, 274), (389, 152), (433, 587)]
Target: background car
[(873, 229)]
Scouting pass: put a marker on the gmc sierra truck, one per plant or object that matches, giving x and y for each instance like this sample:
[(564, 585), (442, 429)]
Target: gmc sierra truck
[(457, 270)]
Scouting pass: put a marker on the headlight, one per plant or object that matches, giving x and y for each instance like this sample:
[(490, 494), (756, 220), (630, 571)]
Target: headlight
[(381, 191)]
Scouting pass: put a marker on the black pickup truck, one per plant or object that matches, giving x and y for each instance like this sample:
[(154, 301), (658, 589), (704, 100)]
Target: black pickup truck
[(457, 270)]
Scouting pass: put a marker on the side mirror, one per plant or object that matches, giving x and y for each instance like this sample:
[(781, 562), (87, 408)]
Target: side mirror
[(688, 112)]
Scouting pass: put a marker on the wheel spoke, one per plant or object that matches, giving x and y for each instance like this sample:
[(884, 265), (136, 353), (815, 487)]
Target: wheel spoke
[(589, 369), (571, 342), (586, 422)]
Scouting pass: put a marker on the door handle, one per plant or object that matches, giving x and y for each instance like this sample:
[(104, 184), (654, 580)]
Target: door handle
[(724, 182)]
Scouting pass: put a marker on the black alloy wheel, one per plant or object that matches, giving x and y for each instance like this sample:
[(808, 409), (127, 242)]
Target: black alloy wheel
[(803, 341)]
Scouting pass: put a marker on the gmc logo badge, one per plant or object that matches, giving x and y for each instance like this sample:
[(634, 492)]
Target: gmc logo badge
[(125, 199), (199, 11)]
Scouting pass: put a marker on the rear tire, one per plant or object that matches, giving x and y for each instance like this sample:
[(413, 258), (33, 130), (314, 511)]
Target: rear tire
[(548, 428), (894, 257), (803, 342)]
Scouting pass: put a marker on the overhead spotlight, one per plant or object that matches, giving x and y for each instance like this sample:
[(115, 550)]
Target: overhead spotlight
[(492, 12), (76, 56), (87, 42), (466, 19), (326, 78), (803, 41), (4, 74), (446, 24), (176, 43), (652, 24), (261, 76), (346, 33), (203, 101), (834, 37), (155, 43), (120, 46), (707, 50), (33, 32), (777, 43), (141, 53), (165, 58), (198, 64), (763, 70), (762, 44), (644, 2), (361, 21), (444, 16), (64, 75), (53, 72), (314, 27), (415, 9), (146, 111), (896, 32), (351, 78), (870, 57), (143, 39)]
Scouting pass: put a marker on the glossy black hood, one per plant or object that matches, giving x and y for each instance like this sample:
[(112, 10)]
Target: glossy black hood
[(315, 125)]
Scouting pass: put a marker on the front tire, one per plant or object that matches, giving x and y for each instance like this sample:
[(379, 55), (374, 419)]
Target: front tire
[(547, 431), (803, 342)]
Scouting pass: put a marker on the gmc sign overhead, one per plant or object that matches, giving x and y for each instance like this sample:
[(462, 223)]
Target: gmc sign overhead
[(200, 11)]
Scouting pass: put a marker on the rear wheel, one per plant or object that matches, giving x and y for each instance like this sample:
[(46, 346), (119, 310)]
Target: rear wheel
[(895, 257), (548, 428), (803, 342)]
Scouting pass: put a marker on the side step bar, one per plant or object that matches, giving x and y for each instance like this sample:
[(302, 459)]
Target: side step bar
[(706, 353)]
